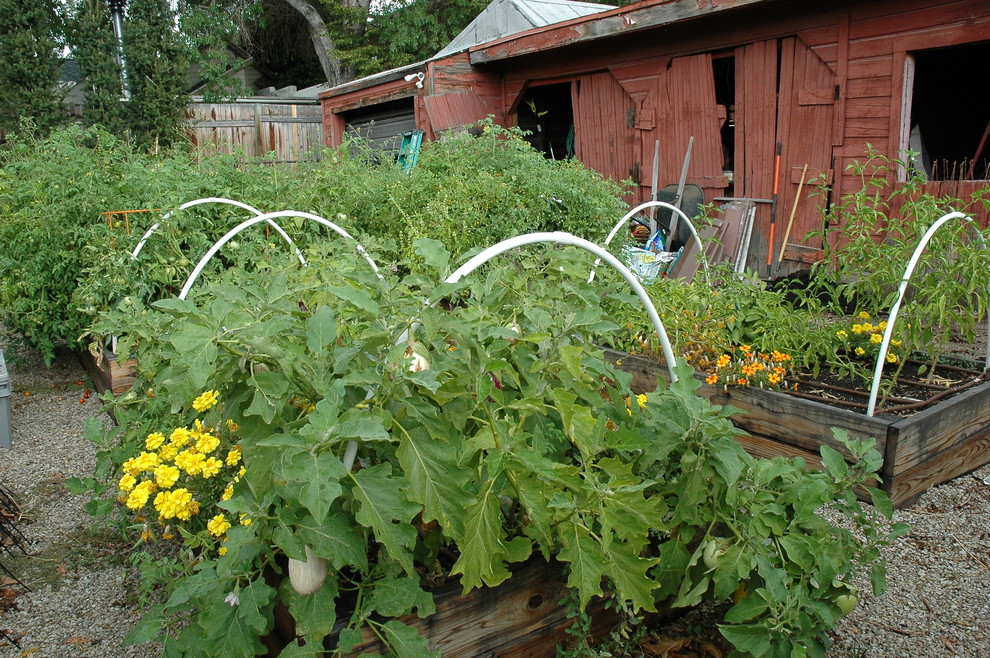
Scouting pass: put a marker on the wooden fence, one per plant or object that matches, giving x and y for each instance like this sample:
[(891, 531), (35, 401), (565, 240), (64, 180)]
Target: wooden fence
[(293, 130)]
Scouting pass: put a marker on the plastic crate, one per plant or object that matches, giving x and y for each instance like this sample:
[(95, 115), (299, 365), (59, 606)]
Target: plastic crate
[(4, 404)]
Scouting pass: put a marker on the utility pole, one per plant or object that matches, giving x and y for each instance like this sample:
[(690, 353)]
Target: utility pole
[(117, 15)]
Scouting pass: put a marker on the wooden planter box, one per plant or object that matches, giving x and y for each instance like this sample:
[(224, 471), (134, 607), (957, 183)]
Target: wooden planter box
[(933, 446), (525, 616), (107, 372)]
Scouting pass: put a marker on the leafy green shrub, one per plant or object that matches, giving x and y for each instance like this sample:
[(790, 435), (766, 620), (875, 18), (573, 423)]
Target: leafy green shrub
[(67, 260), (495, 433)]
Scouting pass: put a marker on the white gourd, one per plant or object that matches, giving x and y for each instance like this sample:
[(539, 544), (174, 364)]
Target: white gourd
[(307, 577)]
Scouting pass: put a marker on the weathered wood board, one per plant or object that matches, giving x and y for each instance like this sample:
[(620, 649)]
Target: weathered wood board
[(524, 616), (919, 451), (107, 372)]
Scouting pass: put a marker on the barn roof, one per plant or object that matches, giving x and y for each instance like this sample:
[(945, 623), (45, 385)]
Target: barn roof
[(504, 18)]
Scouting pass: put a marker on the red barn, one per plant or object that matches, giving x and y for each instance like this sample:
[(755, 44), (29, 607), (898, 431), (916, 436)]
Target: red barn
[(816, 81)]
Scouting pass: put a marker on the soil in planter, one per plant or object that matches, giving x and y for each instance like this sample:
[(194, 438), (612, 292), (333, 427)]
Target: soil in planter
[(910, 393)]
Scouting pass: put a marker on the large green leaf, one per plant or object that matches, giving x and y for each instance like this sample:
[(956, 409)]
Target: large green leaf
[(435, 479), (405, 642), (587, 563), (270, 390), (394, 597), (628, 572), (316, 613), (335, 540), (483, 547), (321, 330), (384, 508), (318, 477)]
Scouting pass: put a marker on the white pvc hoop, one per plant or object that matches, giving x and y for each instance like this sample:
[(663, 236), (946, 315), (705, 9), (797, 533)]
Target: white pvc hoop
[(230, 202), (654, 204), (892, 318), (229, 235)]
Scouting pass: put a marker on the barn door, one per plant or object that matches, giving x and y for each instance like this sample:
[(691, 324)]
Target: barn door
[(804, 128), (686, 109), (604, 137)]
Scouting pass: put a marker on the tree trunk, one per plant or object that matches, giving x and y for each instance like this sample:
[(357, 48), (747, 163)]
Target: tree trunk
[(326, 51)]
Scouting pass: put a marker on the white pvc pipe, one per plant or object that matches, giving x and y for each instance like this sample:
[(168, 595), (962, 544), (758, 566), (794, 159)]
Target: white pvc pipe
[(654, 204), (229, 235), (892, 318), (230, 202)]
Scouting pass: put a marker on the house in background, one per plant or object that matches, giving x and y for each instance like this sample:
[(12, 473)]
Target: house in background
[(746, 79)]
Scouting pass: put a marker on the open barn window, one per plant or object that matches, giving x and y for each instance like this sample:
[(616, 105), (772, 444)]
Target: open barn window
[(950, 112), (547, 113)]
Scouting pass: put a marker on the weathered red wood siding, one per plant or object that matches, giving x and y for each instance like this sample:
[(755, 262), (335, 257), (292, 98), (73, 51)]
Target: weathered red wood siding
[(823, 80)]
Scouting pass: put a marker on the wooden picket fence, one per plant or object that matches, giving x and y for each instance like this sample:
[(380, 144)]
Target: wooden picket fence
[(292, 130)]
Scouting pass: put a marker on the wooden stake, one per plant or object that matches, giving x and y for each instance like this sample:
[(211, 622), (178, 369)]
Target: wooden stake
[(790, 221)]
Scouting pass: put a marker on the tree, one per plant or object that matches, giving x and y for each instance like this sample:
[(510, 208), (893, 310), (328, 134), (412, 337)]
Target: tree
[(93, 42), (30, 34), (157, 61)]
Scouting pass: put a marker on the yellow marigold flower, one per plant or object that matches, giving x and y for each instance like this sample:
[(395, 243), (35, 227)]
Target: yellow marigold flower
[(190, 462), (895, 342), (228, 492), (234, 456), (876, 339), (774, 379), (154, 441), (232, 426), (130, 467), (222, 551), (210, 467), (745, 348), (741, 381), (863, 315), (180, 437), (860, 351), (723, 360), (241, 472), (891, 357), (190, 510), (857, 328), (127, 482), (173, 504), (168, 452), (207, 443), (641, 400), (867, 328), (139, 495), (206, 401), (882, 326), (218, 525), (245, 519), (780, 356), (841, 333), (711, 379), (166, 476)]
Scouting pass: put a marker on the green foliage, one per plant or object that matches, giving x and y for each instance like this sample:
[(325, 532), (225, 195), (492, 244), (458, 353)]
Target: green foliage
[(470, 192), (513, 437), (67, 261), (861, 271), (30, 34), (93, 45), (157, 72)]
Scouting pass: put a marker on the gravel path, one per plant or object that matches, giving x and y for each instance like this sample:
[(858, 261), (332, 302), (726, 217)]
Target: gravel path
[(84, 594)]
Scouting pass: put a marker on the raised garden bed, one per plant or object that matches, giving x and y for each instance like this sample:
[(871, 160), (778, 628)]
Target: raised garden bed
[(527, 615), (107, 372), (932, 446)]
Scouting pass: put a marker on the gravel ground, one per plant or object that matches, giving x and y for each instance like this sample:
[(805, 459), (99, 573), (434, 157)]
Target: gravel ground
[(83, 597)]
